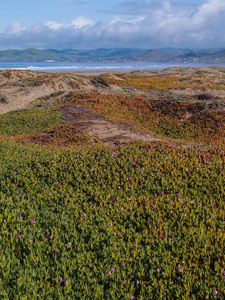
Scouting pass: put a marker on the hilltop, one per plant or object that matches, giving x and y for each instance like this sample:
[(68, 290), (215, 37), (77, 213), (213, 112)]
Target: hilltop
[(116, 55)]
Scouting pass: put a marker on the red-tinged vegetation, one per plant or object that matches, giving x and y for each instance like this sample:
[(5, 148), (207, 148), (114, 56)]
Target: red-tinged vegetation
[(63, 135), (162, 116)]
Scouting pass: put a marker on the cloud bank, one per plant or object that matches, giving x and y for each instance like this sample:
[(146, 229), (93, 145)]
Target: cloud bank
[(143, 24)]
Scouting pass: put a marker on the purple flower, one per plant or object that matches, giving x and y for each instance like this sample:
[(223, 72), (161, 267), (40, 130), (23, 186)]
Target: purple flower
[(112, 269), (56, 249), (158, 270), (174, 239), (31, 236), (165, 231), (85, 214), (31, 221), (110, 272), (20, 217), (66, 281), (110, 224), (132, 297), (43, 233), (18, 235), (178, 194), (162, 193), (114, 233), (60, 279), (63, 222), (164, 293), (178, 265), (138, 281), (215, 292)]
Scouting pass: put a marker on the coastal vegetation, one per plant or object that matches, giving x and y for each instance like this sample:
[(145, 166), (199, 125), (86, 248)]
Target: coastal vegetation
[(83, 216)]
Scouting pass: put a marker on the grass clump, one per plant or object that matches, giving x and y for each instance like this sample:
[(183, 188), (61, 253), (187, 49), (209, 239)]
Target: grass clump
[(3, 98)]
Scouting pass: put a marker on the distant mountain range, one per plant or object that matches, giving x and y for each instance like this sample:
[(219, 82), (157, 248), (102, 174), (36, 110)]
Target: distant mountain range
[(115, 55)]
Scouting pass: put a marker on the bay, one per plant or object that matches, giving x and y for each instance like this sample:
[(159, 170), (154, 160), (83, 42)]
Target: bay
[(95, 66)]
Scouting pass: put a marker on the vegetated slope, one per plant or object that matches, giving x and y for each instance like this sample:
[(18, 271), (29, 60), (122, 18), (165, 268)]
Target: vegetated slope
[(144, 220)]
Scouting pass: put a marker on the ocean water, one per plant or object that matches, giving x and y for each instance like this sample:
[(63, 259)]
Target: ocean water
[(86, 67)]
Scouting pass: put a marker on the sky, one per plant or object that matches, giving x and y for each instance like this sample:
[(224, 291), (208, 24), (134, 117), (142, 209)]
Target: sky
[(92, 24)]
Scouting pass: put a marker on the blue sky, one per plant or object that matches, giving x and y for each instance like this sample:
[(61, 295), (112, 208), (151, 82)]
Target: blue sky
[(91, 24)]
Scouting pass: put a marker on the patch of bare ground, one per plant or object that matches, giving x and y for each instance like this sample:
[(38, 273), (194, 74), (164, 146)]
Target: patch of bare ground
[(21, 88)]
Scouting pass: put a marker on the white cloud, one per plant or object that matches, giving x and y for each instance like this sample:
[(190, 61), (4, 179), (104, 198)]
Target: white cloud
[(161, 24), (54, 25), (14, 28), (81, 22)]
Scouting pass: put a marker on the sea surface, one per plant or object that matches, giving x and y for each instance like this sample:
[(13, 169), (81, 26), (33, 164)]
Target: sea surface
[(86, 67)]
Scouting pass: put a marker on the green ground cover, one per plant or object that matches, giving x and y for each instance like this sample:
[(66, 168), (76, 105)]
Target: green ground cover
[(29, 121), (141, 222)]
